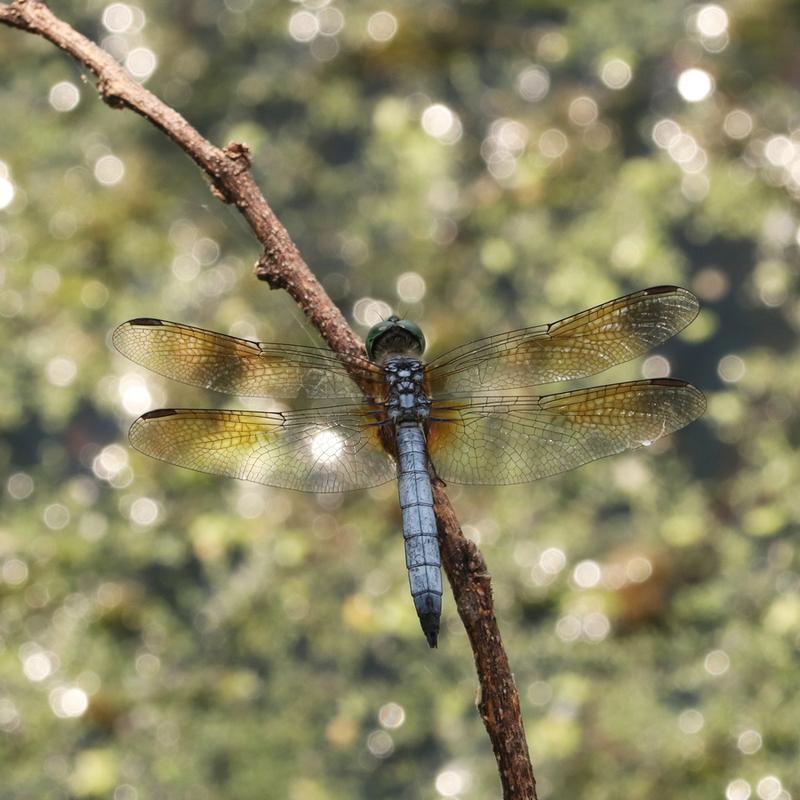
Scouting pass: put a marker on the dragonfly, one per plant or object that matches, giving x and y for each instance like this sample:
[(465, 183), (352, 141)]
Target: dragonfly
[(457, 417)]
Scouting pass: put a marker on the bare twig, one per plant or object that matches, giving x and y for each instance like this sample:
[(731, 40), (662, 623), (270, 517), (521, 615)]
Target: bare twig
[(282, 266)]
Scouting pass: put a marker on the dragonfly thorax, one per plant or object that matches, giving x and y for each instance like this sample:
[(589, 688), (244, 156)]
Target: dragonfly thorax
[(406, 399)]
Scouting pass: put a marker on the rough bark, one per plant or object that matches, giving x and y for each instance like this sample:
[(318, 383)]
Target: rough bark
[(282, 267)]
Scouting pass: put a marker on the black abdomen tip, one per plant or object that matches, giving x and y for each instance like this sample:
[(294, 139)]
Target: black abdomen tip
[(430, 627)]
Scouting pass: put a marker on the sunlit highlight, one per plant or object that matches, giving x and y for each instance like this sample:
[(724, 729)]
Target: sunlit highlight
[(717, 662), (411, 287), (380, 744), (711, 20), (596, 626), (665, 132), (552, 560), (780, 151), (451, 782), (56, 516), (61, 371), (441, 123), (731, 368), (109, 170), (568, 628), (749, 742), (616, 73), (586, 574), (46, 279), (504, 143), (684, 150), (533, 83), (691, 721), (769, 788), (583, 111), (540, 693), (6, 192), (37, 665), (185, 267), (144, 511), (738, 124), (20, 485), (303, 26), (117, 17), (66, 703), (738, 789), (638, 569), (327, 446), (391, 715), (64, 96), (134, 394), (553, 46), (331, 21), (9, 717), (382, 26), (141, 62), (250, 504), (368, 311), (110, 461), (656, 367), (14, 571), (695, 85), (553, 143)]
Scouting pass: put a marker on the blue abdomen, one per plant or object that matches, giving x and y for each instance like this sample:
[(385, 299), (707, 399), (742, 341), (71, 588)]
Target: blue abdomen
[(419, 528)]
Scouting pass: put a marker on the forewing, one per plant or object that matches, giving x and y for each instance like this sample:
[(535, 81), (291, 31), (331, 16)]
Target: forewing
[(499, 440), (241, 367), (581, 345), (328, 450)]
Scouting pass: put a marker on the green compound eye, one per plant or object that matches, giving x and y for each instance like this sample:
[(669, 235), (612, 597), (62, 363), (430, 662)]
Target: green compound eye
[(415, 331), (377, 331), (374, 332)]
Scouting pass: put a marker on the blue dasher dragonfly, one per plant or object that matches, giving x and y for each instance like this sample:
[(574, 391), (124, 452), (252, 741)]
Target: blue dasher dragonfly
[(404, 419)]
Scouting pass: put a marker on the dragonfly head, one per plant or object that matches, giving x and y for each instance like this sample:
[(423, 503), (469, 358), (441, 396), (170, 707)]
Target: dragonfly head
[(395, 337)]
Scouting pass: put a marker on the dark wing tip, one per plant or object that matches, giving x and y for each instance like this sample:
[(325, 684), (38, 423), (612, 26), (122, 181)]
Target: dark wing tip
[(666, 289), (143, 321), (668, 382), (670, 289), (159, 412)]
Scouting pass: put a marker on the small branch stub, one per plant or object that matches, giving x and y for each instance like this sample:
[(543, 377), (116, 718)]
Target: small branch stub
[(239, 153), (271, 272)]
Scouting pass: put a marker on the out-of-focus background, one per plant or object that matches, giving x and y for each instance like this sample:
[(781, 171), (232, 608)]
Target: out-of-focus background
[(479, 167)]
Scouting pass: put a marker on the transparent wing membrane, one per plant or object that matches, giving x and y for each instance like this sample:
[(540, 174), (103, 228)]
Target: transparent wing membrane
[(241, 367), (473, 437), (575, 347), (312, 451), (502, 440)]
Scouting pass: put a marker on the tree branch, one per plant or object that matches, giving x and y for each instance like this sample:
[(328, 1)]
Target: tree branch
[(282, 267)]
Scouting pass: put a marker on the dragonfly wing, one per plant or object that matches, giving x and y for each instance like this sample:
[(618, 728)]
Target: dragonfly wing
[(310, 451), (575, 347), (501, 440), (241, 367)]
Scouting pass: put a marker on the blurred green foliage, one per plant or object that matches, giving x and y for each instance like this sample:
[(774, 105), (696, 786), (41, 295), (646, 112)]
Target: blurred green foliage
[(170, 634)]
